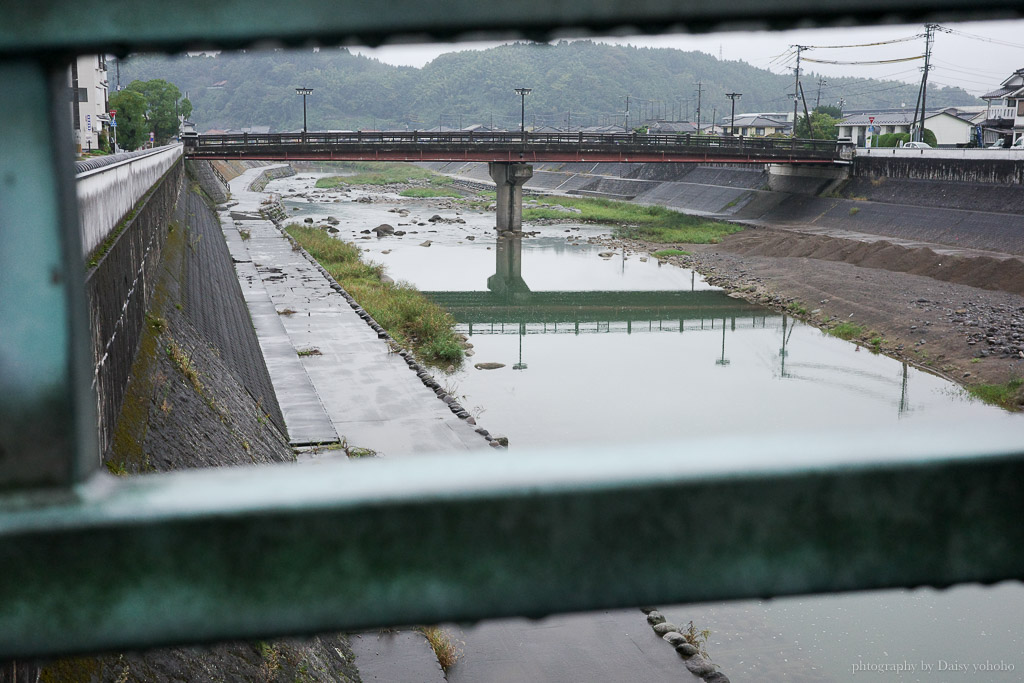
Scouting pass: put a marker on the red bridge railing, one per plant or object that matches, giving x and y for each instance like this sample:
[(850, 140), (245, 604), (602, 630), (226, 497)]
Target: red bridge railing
[(724, 145)]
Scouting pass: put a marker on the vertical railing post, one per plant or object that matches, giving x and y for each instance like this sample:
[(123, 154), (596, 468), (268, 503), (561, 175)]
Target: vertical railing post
[(47, 409)]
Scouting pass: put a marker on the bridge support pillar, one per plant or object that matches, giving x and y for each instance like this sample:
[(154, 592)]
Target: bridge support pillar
[(509, 178)]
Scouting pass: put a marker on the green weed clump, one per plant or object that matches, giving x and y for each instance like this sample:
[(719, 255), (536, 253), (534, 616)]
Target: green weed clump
[(636, 221), (847, 331), (1002, 395), (382, 174), (409, 317), (665, 253)]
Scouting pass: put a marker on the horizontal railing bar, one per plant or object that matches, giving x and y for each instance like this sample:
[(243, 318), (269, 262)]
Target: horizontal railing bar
[(88, 25), (485, 139), (251, 552)]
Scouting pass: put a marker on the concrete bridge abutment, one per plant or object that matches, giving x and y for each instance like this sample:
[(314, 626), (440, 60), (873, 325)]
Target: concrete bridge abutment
[(509, 178)]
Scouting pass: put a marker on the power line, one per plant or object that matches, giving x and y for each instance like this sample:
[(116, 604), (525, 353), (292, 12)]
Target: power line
[(850, 83), (882, 42), (974, 36), (869, 63), (976, 72), (985, 84)]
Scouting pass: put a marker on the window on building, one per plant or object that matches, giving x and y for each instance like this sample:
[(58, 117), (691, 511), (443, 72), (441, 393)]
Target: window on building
[(1020, 107), (83, 94)]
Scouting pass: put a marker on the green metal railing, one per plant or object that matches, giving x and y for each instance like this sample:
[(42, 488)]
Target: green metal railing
[(91, 562)]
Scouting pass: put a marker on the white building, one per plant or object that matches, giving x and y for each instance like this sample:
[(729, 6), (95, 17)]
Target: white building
[(951, 126), (1005, 117), (88, 81)]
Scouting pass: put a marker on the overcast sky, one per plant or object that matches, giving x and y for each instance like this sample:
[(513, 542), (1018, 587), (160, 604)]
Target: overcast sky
[(976, 64)]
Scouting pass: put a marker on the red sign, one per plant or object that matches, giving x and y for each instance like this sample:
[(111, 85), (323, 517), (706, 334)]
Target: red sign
[(113, 112), (871, 119)]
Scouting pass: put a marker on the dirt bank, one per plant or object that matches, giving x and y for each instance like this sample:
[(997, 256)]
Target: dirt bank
[(959, 317)]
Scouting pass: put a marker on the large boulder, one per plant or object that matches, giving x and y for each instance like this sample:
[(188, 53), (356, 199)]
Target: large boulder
[(384, 229)]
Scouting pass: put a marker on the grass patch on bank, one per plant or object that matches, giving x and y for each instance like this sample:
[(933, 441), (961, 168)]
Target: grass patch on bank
[(428, 192), (847, 331), (636, 221), (665, 253), (1002, 395), (409, 317), (383, 174), (443, 645)]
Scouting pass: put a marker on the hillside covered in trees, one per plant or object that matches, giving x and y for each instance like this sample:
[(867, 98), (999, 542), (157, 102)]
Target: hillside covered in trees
[(575, 83)]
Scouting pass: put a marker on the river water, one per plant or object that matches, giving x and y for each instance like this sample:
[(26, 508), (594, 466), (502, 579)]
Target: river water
[(620, 348)]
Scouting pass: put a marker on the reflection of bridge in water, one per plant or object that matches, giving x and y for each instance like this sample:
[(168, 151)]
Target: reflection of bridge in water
[(509, 307), (584, 312), (508, 300)]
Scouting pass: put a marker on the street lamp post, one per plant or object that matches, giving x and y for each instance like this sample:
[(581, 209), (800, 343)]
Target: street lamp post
[(303, 92), (733, 96), (523, 92)]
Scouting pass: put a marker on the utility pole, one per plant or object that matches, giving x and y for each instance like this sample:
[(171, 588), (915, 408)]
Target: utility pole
[(733, 96), (627, 114), (714, 119), (817, 101), (796, 85), (807, 116), (700, 91), (929, 37)]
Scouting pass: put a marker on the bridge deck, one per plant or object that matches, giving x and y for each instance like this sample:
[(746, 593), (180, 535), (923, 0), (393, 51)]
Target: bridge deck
[(515, 147)]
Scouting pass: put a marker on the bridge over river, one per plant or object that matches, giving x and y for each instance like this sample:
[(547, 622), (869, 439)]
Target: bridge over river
[(509, 155), (516, 147)]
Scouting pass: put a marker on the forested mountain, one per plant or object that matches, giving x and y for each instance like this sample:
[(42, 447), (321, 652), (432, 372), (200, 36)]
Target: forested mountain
[(584, 80)]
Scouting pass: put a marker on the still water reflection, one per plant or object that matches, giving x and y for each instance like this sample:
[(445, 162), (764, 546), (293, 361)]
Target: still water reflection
[(619, 349)]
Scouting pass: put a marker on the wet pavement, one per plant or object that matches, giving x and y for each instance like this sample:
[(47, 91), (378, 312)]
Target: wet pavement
[(334, 377)]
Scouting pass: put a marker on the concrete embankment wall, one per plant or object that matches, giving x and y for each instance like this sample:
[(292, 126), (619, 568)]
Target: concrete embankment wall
[(200, 396), (975, 203), (118, 289), (109, 187), (269, 174), (210, 179)]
